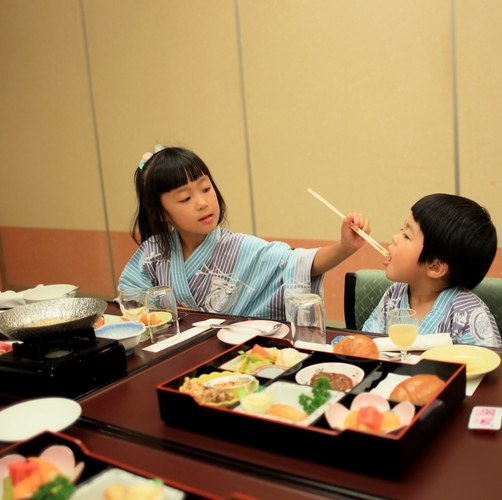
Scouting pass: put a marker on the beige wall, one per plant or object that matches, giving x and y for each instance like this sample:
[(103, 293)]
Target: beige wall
[(371, 104)]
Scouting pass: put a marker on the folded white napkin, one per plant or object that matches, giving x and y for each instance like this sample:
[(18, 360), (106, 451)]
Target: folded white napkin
[(388, 384), (199, 327), (422, 343), (11, 299), (300, 344)]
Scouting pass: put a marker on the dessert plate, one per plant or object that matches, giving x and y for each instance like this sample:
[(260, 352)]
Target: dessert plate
[(24, 420)]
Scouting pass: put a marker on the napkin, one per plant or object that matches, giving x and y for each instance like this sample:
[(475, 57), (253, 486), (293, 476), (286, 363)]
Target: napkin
[(388, 384), (422, 343), (201, 326), (11, 299), (311, 346)]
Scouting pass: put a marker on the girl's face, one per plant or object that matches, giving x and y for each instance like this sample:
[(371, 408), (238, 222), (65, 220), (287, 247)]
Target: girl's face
[(404, 251), (193, 209)]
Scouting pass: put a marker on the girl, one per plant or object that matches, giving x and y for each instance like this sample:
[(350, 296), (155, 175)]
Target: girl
[(211, 269), (445, 249)]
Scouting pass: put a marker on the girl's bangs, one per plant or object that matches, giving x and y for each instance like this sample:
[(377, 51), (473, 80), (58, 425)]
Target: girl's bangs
[(168, 179)]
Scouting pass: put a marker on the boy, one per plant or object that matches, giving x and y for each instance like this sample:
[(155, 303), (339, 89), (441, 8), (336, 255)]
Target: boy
[(445, 249)]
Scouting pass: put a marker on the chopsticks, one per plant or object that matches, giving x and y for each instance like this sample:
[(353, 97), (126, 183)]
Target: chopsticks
[(360, 232)]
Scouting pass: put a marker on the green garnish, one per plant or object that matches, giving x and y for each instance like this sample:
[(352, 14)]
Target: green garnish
[(250, 361), (58, 489), (320, 394)]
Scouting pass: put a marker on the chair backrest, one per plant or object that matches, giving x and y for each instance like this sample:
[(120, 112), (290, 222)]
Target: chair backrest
[(364, 289)]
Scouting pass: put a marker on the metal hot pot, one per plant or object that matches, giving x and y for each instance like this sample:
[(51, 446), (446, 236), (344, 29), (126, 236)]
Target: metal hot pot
[(51, 320)]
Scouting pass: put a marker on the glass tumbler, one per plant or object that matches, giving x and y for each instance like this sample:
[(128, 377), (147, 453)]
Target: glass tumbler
[(308, 323), (162, 314)]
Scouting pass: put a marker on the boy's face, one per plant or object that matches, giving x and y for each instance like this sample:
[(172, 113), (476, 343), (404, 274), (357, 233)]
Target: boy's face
[(404, 251)]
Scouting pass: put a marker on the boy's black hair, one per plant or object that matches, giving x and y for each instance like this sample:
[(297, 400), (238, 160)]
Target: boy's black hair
[(168, 169), (459, 232)]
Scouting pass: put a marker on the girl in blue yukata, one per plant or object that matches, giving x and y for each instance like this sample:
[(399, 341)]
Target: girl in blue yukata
[(209, 268), (445, 249)]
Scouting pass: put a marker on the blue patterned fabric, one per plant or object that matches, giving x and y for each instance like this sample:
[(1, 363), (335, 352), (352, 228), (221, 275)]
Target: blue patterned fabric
[(456, 311), (228, 273)]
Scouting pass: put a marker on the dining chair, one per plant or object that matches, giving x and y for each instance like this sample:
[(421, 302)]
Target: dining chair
[(364, 289)]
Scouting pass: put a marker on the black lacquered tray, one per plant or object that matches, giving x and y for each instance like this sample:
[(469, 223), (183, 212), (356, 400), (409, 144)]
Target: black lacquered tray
[(95, 465), (384, 455)]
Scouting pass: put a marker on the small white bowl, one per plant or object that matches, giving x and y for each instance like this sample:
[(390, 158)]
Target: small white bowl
[(128, 334), (49, 292)]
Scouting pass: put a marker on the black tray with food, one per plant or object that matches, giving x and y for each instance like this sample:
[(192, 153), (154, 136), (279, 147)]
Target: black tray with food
[(224, 398), (52, 465)]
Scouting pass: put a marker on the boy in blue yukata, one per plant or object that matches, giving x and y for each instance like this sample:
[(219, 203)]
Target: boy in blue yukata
[(209, 268), (445, 249)]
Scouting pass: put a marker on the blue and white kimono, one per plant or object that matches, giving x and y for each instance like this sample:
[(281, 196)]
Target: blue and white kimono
[(456, 311), (228, 273)]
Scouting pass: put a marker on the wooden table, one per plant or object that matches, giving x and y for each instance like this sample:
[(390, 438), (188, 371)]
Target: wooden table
[(122, 422)]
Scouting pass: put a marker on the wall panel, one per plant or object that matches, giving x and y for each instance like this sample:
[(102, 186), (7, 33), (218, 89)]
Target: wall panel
[(353, 99), (167, 72), (479, 78)]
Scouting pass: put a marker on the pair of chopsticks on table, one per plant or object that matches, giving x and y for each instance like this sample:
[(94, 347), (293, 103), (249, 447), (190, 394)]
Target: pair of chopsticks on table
[(359, 231)]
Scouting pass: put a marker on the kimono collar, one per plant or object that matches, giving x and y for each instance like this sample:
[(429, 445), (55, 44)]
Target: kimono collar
[(431, 320)]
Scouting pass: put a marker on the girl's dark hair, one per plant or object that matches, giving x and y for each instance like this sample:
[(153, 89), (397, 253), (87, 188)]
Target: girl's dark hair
[(166, 170), (459, 232)]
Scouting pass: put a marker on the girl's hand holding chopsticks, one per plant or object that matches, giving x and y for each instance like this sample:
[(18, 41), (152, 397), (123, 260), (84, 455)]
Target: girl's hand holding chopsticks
[(330, 256), (358, 230), (351, 239)]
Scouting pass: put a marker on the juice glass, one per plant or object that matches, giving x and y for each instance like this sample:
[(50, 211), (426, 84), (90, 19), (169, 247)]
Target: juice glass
[(402, 327)]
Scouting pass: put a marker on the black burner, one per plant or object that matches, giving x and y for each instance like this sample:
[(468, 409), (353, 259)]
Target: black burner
[(70, 367)]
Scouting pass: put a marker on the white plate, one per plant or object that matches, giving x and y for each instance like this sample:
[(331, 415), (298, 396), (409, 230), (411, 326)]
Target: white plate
[(353, 372), (288, 394), (478, 360), (25, 420), (95, 488), (234, 338)]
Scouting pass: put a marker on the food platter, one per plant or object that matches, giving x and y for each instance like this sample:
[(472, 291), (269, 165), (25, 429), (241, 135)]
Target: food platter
[(316, 441), (25, 420), (478, 360), (228, 336)]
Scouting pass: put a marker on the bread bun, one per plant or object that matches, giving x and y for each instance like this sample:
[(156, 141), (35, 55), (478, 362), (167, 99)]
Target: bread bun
[(357, 345), (419, 389)]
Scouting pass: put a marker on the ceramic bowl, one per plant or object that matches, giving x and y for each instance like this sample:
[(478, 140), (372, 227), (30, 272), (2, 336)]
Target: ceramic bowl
[(128, 334), (49, 292)]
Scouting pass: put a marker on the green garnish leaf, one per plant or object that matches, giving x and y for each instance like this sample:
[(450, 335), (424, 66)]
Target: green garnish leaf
[(320, 394), (58, 489)]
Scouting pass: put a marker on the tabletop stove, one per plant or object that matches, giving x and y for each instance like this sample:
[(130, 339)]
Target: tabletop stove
[(68, 367)]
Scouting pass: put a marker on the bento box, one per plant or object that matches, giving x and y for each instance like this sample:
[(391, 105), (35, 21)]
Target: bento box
[(384, 455), (89, 473)]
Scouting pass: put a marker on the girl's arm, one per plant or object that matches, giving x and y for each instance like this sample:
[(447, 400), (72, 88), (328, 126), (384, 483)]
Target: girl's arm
[(134, 274), (330, 256)]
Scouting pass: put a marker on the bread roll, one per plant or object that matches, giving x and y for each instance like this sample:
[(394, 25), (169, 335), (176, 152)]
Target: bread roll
[(357, 345), (419, 389)]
